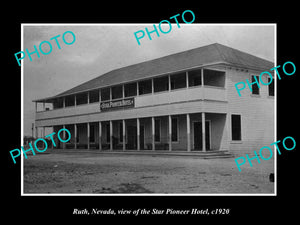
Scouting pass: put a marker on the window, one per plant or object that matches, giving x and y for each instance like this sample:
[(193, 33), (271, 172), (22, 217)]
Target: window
[(178, 81), (174, 129), (194, 78), (92, 133), (58, 103), (105, 94), (121, 132), (82, 98), (255, 86), (70, 100), (161, 84), (117, 92), (94, 96), (145, 87), (214, 78), (236, 133), (157, 130), (70, 128), (107, 133), (271, 87), (130, 89)]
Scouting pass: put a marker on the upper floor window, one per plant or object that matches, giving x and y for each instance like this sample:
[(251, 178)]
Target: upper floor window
[(94, 96), (161, 84), (82, 98), (70, 100), (117, 92), (58, 103), (130, 89), (145, 87), (105, 94), (214, 78), (178, 81), (194, 77), (255, 86)]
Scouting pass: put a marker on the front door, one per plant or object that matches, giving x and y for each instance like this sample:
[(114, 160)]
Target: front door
[(198, 135)]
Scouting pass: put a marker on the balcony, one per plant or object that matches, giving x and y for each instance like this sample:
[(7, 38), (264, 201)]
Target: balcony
[(182, 95), (179, 96), (180, 92)]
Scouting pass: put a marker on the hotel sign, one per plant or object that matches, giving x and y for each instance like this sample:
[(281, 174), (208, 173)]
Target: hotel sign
[(117, 104)]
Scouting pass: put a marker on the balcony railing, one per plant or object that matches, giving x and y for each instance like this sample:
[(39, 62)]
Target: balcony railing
[(161, 98)]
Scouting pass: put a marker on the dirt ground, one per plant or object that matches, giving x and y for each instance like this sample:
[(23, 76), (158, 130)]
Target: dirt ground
[(81, 173)]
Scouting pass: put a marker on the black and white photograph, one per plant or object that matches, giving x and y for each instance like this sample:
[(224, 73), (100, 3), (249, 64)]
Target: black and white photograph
[(135, 112), (131, 109)]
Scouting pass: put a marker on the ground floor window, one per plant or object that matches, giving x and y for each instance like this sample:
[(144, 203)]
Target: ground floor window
[(175, 129), (236, 131), (92, 133), (121, 132), (271, 87), (107, 133), (157, 130)]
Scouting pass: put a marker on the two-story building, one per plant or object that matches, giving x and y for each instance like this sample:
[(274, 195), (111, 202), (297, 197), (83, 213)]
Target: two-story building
[(181, 102)]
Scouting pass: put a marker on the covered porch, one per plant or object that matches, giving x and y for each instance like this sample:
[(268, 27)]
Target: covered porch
[(182, 132)]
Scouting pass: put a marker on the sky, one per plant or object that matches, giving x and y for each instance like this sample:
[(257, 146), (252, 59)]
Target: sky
[(104, 47)]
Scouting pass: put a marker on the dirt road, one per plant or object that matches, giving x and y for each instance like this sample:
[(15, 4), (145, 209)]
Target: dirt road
[(98, 173)]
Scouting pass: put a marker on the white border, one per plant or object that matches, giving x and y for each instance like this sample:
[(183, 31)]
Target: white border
[(22, 112), (275, 110), (155, 194)]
